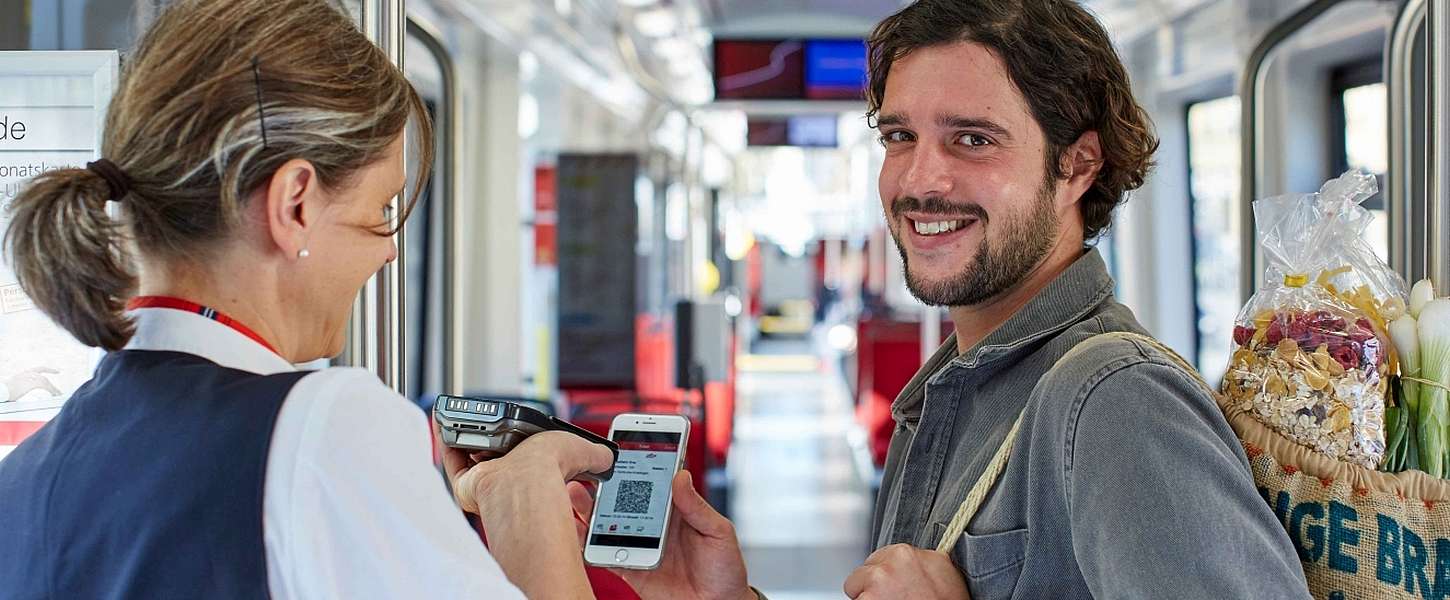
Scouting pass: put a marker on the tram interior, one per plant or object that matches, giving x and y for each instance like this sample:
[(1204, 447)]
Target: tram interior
[(672, 206)]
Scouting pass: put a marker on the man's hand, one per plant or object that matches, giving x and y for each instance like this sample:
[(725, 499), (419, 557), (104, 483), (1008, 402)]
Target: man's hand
[(702, 559), (903, 571)]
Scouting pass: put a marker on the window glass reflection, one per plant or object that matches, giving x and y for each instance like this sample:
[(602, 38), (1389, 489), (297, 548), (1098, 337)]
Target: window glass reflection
[(1366, 146), (74, 24), (1213, 173)]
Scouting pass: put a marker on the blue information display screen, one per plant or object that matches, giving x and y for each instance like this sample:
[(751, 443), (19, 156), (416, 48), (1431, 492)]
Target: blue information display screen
[(835, 69)]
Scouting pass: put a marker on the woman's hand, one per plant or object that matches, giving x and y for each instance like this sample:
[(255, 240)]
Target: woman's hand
[(550, 458), (521, 500), (701, 560)]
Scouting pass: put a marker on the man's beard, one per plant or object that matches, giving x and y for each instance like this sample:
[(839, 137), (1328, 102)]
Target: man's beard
[(995, 268)]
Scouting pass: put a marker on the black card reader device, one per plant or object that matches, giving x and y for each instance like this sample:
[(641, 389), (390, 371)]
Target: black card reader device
[(492, 427)]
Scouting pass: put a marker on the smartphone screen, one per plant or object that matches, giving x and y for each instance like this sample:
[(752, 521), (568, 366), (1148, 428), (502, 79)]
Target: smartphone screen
[(633, 504)]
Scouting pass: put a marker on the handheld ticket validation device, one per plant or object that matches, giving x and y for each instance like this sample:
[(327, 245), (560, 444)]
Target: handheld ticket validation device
[(632, 509), (492, 427)]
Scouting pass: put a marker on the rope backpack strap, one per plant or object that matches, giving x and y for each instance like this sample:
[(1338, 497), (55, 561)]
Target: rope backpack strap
[(1166, 351), (984, 484), (978, 494)]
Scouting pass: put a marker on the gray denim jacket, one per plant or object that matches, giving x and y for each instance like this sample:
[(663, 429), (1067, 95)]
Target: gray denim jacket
[(1126, 481)]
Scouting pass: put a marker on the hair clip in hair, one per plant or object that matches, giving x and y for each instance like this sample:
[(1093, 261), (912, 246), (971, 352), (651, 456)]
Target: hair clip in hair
[(261, 114)]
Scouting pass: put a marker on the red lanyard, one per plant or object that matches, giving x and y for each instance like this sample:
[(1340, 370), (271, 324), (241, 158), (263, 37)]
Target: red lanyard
[(192, 307)]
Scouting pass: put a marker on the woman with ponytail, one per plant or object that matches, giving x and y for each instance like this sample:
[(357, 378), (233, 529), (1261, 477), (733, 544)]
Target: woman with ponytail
[(252, 154)]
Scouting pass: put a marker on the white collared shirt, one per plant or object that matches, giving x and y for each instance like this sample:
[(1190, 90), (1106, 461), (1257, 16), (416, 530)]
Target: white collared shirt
[(353, 506)]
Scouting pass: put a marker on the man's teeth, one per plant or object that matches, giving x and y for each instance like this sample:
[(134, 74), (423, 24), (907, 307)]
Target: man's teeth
[(938, 227)]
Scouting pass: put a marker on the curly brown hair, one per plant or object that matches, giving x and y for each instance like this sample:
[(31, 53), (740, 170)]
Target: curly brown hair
[(1065, 66)]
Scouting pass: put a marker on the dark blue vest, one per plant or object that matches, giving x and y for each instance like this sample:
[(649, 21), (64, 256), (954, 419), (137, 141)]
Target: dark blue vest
[(148, 484)]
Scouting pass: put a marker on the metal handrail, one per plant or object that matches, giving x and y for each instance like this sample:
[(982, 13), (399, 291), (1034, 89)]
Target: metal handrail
[(1399, 83), (447, 192), (376, 329), (1438, 148), (1251, 99)]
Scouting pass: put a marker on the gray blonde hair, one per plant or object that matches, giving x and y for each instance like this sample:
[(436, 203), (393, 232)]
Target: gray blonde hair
[(218, 95)]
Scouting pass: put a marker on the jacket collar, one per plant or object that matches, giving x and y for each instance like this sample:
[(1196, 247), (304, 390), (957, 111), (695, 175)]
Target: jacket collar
[(1073, 295)]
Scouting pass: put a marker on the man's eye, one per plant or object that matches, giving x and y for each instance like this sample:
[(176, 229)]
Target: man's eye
[(893, 137), (972, 139)]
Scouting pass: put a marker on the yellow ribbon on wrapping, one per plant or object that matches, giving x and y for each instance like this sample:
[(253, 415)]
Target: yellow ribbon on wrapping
[(1296, 281)]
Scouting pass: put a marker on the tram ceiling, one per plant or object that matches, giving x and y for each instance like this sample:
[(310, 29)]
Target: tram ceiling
[(674, 47), (793, 18), (855, 18)]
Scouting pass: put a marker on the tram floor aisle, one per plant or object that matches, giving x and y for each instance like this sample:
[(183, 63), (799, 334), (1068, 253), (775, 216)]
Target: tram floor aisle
[(799, 502)]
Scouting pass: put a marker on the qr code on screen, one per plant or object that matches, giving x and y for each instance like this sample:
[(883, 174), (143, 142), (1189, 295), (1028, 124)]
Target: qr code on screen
[(633, 498)]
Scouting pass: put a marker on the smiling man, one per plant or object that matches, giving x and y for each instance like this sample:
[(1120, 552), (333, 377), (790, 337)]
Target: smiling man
[(1011, 134)]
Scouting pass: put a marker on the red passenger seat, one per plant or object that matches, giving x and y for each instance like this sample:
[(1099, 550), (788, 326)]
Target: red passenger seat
[(888, 354)]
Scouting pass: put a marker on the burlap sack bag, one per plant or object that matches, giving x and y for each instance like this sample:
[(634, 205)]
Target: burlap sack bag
[(1359, 533)]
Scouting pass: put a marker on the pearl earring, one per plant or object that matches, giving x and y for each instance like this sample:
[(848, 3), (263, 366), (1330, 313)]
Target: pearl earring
[(303, 253)]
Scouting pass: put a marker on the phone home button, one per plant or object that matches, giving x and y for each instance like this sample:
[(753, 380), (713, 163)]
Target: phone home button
[(621, 556)]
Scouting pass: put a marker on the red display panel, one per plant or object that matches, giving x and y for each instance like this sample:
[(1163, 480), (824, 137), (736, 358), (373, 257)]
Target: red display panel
[(749, 69), (767, 132), (546, 216)]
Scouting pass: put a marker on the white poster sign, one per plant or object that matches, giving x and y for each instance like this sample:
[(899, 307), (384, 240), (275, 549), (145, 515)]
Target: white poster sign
[(52, 111)]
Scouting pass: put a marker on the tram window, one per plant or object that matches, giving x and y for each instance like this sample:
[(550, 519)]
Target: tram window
[(1366, 146), (423, 277), (1213, 175), (74, 24)]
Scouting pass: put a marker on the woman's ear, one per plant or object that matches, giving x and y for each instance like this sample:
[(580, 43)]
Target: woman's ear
[(293, 198)]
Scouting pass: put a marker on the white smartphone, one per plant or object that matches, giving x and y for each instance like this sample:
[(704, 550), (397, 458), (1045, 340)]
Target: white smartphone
[(632, 508)]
